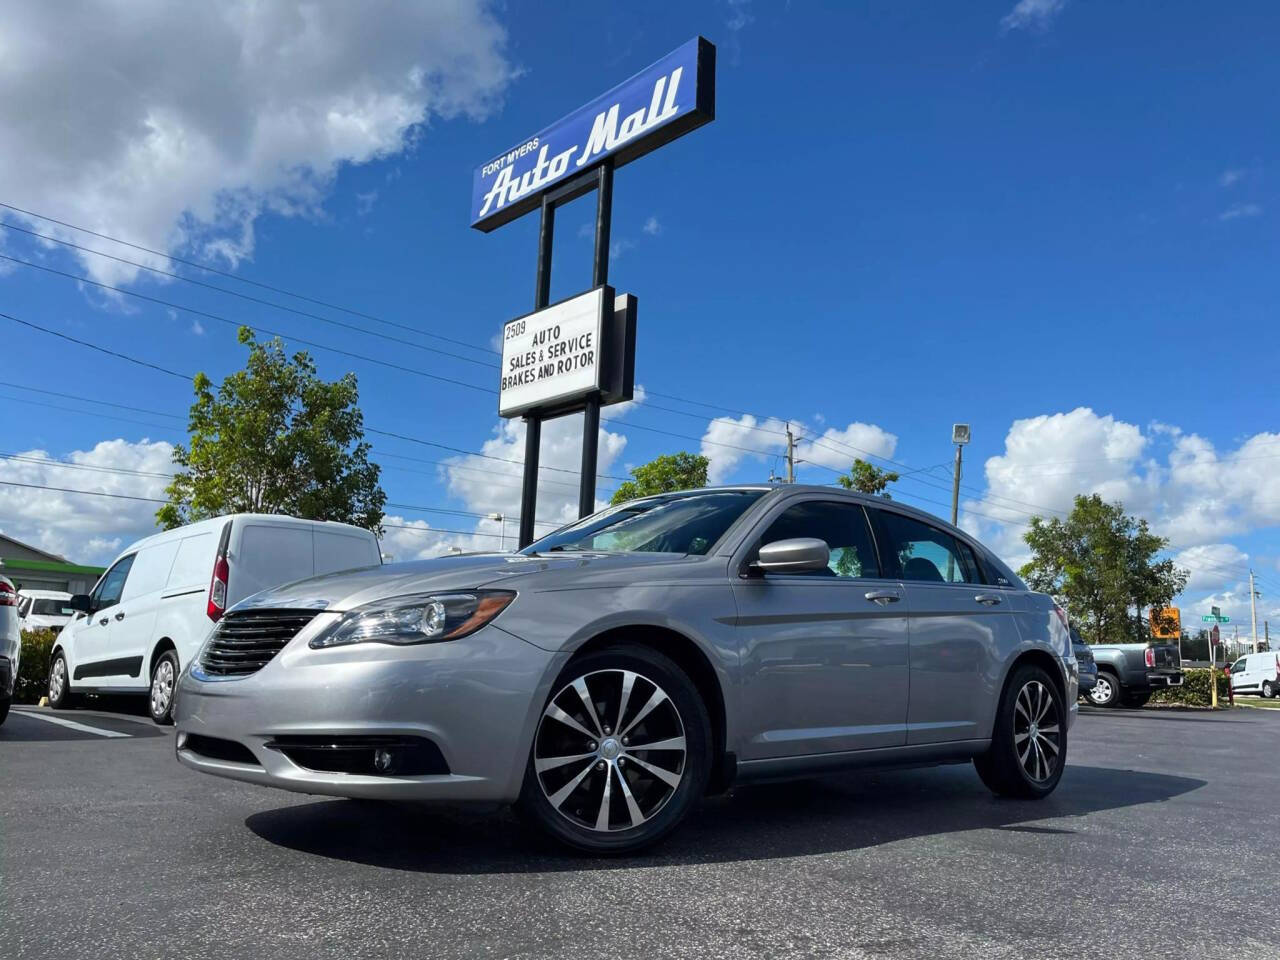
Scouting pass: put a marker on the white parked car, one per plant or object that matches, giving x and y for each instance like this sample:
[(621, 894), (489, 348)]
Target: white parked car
[(44, 610), (1257, 673), (150, 612)]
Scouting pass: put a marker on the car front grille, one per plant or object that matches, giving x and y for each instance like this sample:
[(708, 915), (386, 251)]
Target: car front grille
[(244, 642)]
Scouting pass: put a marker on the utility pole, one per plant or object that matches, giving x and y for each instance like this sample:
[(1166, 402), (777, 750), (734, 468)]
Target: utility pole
[(959, 436), (791, 455), (1253, 610)]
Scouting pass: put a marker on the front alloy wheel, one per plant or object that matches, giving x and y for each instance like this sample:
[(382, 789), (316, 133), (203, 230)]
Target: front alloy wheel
[(620, 753)]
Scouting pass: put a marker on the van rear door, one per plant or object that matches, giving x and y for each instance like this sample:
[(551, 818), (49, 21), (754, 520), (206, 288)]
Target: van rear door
[(265, 555)]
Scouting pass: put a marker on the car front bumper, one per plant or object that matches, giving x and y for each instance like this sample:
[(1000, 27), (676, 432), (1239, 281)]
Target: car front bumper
[(476, 699)]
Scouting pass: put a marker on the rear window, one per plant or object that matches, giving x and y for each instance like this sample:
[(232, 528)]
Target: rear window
[(268, 556), (336, 550)]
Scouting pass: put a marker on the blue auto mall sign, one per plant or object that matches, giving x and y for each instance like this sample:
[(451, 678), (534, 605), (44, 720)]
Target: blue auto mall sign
[(675, 95)]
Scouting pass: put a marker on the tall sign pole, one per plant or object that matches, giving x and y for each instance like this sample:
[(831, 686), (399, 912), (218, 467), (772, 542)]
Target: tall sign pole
[(579, 354)]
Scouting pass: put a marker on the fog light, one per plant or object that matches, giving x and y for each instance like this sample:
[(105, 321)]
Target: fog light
[(384, 760), (182, 740)]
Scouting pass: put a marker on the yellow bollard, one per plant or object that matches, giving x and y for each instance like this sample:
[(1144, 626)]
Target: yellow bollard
[(1213, 685)]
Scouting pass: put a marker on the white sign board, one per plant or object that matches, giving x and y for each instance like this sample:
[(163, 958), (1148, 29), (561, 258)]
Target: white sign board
[(552, 356)]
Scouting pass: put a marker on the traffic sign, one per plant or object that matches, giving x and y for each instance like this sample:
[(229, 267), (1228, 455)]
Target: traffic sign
[(1210, 618)]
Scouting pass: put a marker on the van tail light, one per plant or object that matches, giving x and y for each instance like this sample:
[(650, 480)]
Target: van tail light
[(8, 596), (1151, 656), (221, 575)]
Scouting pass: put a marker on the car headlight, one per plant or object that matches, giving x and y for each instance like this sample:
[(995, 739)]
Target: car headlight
[(418, 618)]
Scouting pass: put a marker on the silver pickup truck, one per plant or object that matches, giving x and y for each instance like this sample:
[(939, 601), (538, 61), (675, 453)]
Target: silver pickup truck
[(1128, 673)]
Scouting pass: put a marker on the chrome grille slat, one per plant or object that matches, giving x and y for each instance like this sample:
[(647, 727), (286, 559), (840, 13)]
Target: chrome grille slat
[(245, 642)]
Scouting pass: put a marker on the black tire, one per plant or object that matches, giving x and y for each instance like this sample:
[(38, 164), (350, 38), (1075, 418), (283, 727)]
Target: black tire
[(160, 700), (1135, 701), (1106, 690), (1031, 708), (60, 695), (680, 716), (1268, 690), (4, 709)]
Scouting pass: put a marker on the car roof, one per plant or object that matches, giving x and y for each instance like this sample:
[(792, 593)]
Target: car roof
[(216, 523), (46, 594)]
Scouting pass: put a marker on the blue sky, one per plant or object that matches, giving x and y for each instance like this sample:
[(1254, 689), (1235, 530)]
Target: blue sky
[(1054, 222)]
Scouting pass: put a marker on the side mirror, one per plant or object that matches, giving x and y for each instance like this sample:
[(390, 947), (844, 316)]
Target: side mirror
[(82, 603), (798, 555)]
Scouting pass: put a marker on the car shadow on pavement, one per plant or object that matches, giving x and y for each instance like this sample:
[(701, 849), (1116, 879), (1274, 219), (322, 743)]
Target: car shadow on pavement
[(755, 822)]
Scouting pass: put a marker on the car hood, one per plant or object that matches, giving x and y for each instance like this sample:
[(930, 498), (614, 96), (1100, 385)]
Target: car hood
[(352, 588)]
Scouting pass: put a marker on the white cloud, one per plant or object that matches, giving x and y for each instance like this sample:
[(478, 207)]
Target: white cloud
[(652, 227), (197, 328), (1239, 211), (85, 529), (1188, 491), (1230, 177), (1213, 565), (728, 442), (177, 125), (1034, 15)]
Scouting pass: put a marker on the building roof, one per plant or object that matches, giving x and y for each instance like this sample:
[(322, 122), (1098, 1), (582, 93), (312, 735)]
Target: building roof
[(51, 557)]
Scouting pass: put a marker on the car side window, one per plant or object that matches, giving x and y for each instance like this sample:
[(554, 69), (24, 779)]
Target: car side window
[(924, 553), (112, 585), (844, 528), (23, 606)]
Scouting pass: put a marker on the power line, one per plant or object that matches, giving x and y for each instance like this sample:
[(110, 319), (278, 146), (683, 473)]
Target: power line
[(252, 299), (232, 276), (260, 330), (94, 346)]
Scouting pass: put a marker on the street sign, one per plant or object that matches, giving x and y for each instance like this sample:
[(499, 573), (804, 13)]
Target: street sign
[(660, 103), (1216, 611), (1211, 618)]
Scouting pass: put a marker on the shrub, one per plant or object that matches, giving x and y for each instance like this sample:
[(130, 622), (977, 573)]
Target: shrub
[(33, 668), (1194, 691)]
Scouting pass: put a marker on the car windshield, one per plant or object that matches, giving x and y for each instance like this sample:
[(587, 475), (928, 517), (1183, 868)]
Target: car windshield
[(43, 607), (688, 523)]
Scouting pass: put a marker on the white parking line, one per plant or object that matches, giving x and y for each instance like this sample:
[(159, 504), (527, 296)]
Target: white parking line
[(82, 727)]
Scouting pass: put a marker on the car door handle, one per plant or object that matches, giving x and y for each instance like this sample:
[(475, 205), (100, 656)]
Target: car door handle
[(990, 599), (883, 597), (103, 621), (120, 615)]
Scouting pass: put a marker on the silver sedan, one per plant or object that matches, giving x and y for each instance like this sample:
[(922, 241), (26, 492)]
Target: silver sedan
[(611, 674)]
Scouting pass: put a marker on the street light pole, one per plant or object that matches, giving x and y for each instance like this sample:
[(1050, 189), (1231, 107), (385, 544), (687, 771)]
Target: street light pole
[(502, 519), (959, 436)]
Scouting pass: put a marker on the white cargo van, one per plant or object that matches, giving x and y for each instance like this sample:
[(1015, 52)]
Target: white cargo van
[(1256, 673), (150, 612)]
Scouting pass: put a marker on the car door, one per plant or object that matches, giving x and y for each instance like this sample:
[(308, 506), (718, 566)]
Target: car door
[(823, 654), (96, 663), (132, 632), (962, 629)]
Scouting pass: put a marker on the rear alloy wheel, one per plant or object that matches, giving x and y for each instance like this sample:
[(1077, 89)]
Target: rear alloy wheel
[(622, 751), (1029, 743), (164, 676), (1105, 692), (60, 696), (1268, 689)]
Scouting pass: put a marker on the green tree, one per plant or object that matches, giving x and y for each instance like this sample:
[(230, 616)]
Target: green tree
[(1103, 563), (866, 478), (666, 474), (275, 438)]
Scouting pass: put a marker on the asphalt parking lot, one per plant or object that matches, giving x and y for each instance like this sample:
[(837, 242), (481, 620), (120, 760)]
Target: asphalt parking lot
[(1160, 841)]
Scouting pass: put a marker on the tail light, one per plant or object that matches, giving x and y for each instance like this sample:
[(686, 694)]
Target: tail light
[(8, 596), (1151, 656), (221, 575), (1062, 616)]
